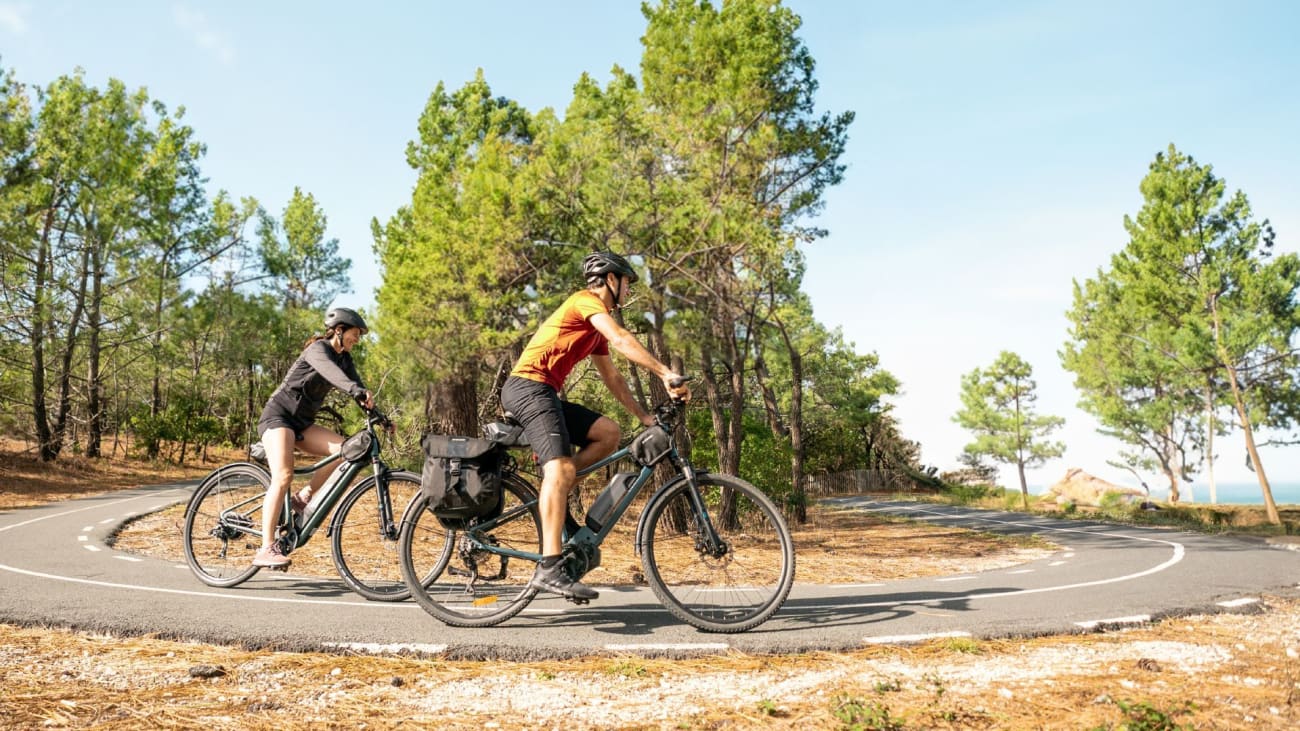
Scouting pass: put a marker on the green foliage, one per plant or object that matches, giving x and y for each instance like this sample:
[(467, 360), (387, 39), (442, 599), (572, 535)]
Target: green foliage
[(303, 265), (857, 714), (1142, 716), (998, 406), (1195, 315)]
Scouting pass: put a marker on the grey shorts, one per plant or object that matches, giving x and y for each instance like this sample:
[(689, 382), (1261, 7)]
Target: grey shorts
[(553, 427)]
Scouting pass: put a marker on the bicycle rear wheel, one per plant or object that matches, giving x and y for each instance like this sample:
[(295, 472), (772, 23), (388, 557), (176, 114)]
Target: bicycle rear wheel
[(749, 579), (223, 524), (478, 587), (365, 553)]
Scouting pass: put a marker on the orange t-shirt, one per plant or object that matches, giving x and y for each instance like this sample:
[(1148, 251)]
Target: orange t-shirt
[(565, 338)]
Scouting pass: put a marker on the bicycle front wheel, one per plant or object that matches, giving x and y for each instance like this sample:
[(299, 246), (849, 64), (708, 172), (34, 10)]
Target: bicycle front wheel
[(223, 524), (365, 552), (479, 587), (734, 588)]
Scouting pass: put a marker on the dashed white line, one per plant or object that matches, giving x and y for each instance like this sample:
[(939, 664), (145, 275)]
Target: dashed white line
[(88, 529), (912, 639), (91, 548), (132, 559), (83, 538), (106, 521), (956, 578), (1057, 563), (1135, 619), (666, 646), (1231, 603), (375, 648), (1021, 571)]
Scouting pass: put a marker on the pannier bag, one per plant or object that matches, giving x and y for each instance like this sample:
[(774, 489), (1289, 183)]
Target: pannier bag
[(357, 447), (650, 446), (461, 478)]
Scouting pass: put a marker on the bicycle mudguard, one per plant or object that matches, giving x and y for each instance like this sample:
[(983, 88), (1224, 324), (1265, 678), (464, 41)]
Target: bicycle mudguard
[(258, 467)]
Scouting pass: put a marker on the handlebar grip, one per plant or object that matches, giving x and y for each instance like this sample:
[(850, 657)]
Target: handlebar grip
[(680, 380)]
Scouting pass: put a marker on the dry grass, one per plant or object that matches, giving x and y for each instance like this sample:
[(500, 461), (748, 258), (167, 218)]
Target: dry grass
[(1222, 671)]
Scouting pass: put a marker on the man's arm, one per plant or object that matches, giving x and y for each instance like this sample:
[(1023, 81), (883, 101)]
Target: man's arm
[(617, 385), (629, 347)]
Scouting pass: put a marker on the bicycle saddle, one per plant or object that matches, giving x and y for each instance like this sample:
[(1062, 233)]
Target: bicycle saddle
[(507, 432)]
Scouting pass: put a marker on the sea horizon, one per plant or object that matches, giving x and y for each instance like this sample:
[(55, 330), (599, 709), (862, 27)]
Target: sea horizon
[(1226, 493)]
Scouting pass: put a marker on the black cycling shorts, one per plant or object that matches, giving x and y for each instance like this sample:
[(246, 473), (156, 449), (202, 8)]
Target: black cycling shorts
[(553, 427), (281, 413)]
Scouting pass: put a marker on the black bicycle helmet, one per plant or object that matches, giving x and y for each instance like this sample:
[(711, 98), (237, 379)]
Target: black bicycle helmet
[(597, 265), (344, 316)]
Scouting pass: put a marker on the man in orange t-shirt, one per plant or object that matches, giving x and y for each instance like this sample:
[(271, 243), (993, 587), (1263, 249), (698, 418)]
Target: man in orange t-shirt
[(581, 328)]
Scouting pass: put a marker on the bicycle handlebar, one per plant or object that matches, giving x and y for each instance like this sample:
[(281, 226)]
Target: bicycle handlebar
[(376, 417)]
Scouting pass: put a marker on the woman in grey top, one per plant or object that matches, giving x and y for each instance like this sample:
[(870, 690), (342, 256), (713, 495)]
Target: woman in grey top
[(288, 419)]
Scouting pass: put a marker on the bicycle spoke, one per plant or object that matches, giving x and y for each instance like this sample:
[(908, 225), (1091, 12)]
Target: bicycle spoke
[(479, 586), (731, 588), (223, 525)]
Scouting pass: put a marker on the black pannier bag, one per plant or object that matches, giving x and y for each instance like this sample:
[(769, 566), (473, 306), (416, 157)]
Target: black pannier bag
[(461, 478)]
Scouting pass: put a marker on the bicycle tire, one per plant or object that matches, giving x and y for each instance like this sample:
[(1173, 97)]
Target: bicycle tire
[(501, 589), (730, 593), (365, 558), (217, 548)]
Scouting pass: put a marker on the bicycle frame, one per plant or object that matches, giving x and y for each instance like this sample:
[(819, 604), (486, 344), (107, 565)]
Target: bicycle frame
[(586, 537), (334, 491)]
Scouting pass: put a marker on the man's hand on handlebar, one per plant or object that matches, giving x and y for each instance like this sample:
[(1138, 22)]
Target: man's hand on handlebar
[(676, 385)]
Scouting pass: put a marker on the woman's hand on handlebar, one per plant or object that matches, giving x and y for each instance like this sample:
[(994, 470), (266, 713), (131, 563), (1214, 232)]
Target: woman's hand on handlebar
[(367, 401)]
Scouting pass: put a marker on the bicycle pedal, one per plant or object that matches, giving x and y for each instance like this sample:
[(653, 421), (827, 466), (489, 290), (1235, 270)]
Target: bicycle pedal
[(282, 569), (579, 602)]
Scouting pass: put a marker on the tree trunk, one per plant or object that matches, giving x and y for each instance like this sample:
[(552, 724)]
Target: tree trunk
[(1209, 440), (453, 407), (1024, 485), (94, 402), (1239, 402), (40, 313)]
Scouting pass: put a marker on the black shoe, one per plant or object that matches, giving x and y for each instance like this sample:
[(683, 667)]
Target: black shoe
[(556, 581)]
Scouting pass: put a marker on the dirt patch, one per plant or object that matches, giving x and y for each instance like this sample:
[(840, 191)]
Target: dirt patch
[(1222, 671)]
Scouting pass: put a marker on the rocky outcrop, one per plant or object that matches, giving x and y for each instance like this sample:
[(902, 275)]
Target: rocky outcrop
[(1080, 488)]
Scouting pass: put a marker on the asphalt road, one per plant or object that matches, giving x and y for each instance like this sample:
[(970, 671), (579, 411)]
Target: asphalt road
[(56, 569)]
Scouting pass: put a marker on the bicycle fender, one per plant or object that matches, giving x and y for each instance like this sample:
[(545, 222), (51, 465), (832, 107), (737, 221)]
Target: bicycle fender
[(230, 465), (641, 527)]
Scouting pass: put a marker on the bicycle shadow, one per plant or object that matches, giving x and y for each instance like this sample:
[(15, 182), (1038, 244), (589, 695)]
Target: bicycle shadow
[(642, 618)]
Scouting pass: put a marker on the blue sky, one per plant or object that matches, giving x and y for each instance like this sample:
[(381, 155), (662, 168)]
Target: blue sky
[(997, 146)]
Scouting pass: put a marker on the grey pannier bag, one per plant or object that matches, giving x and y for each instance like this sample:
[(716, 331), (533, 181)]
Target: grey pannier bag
[(461, 478)]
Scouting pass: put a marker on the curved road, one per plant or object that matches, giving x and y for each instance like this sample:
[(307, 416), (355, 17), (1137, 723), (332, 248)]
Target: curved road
[(56, 569)]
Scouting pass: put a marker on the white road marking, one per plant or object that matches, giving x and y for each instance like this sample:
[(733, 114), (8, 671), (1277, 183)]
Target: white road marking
[(88, 529), (1057, 563), (911, 639), (956, 578), (857, 586), (132, 559), (91, 548), (1239, 602), (679, 646), (1135, 619), (1179, 553), (106, 521), (83, 538), (212, 594), (375, 648), (1021, 571)]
